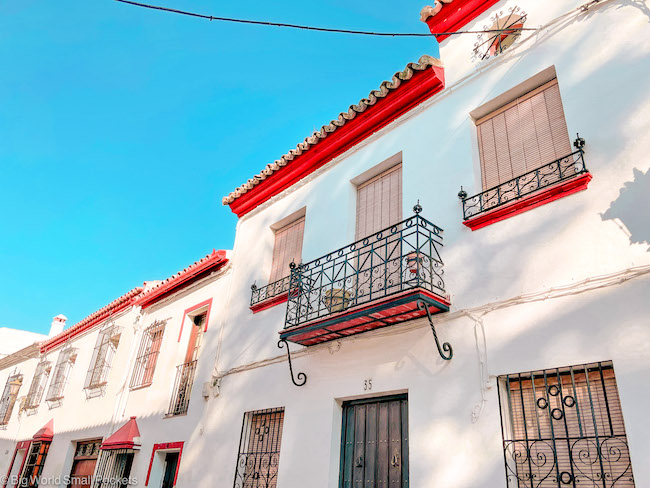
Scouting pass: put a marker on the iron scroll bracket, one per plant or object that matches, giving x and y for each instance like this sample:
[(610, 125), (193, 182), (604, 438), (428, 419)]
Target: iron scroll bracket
[(302, 377), (446, 351)]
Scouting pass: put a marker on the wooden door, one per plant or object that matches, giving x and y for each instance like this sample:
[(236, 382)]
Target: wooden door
[(82, 473), (196, 333), (374, 443)]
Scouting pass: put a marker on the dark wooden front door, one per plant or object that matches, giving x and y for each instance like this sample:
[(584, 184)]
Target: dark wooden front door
[(374, 443), (171, 462)]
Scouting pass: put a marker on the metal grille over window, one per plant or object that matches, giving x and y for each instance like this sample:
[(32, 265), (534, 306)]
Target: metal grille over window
[(259, 449), (564, 428), (113, 468), (8, 399), (64, 362), (182, 392), (100, 365), (37, 388), (34, 464), (145, 363)]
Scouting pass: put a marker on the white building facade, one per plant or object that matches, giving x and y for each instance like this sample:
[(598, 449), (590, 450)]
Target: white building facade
[(460, 278)]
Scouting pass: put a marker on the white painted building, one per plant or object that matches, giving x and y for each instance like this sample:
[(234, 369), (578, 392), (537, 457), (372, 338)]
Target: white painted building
[(539, 374)]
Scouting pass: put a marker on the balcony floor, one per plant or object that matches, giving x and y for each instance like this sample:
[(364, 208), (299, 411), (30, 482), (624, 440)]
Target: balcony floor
[(372, 315)]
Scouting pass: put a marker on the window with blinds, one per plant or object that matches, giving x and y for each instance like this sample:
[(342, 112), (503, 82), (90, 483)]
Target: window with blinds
[(259, 449), (523, 135), (379, 202), (287, 248), (145, 363), (564, 427)]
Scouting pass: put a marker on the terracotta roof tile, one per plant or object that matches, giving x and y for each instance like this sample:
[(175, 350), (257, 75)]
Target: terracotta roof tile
[(384, 89)]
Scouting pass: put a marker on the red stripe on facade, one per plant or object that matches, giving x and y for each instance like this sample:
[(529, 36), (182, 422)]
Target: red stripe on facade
[(167, 446), (207, 302)]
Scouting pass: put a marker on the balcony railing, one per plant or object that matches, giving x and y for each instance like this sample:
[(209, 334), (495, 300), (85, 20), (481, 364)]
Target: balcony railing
[(398, 259), (269, 291), (545, 176), (180, 401)]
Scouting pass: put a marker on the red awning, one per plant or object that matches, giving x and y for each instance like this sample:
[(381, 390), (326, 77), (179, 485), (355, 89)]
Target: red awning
[(126, 437), (46, 433)]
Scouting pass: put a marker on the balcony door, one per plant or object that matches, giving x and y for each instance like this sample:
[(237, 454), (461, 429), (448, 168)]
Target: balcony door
[(374, 443), (379, 206)]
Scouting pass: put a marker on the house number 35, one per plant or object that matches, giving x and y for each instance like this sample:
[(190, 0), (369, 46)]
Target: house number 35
[(367, 384)]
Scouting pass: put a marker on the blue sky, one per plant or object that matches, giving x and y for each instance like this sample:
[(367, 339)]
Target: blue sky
[(121, 129)]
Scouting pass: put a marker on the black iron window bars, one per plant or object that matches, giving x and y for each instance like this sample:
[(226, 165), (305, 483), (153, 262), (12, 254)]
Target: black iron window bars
[(100, 365), (259, 449), (402, 257), (564, 428), (549, 174), (8, 399), (64, 362), (271, 290), (180, 400)]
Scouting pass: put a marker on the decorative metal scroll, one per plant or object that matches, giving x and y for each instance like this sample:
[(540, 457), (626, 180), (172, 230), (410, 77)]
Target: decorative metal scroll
[(302, 377), (399, 258), (564, 428), (269, 291), (537, 179), (446, 351)]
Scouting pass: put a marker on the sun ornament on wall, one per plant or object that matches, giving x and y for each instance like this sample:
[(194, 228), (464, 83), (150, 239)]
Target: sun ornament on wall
[(504, 30)]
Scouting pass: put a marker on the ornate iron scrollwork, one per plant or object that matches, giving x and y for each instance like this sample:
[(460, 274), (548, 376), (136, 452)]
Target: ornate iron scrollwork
[(302, 377), (446, 347)]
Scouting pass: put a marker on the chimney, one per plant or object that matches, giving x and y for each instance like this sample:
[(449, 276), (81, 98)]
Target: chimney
[(58, 323)]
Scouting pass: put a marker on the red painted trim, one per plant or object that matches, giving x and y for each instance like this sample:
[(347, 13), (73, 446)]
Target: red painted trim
[(124, 437), (270, 302), (456, 15), (168, 446), (530, 202), (46, 433), (92, 320), (19, 446), (212, 262), (207, 302), (423, 85)]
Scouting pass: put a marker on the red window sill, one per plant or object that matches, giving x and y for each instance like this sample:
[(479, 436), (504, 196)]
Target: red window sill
[(530, 202), (270, 302)]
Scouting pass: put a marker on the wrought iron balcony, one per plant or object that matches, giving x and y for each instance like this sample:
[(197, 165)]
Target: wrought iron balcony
[(389, 277), (269, 295), (180, 401), (547, 176)]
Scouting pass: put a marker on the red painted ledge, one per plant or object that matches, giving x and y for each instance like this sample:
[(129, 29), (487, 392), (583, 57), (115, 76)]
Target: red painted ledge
[(530, 202), (270, 302), (455, 15), (423, 85)]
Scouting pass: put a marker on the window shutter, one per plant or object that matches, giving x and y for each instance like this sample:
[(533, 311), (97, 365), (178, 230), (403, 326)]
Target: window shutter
[(379, 202), (523, 135), (287, 248)]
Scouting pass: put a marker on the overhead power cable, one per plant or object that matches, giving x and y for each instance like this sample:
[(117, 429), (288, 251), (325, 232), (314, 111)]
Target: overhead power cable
[(311, 28)]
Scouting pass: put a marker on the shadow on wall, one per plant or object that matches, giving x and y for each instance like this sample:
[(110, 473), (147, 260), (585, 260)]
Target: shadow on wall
[(629, 210)]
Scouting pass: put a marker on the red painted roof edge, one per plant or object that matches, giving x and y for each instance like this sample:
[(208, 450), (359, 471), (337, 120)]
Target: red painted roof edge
[(126, 437), (216, 259), (410, 93), (456, 14), (46, 433), (91, 320)]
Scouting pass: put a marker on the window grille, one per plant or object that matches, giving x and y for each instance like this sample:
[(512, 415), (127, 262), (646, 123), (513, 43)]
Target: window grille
[(37, 388), (564, 427), (100, 365), (259, 449), (522, 135), (287, 248), (182, 392), (145, 363), (9, 397), (34, 464), (64, 362), (113, 468)]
